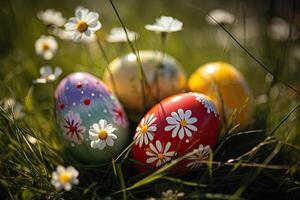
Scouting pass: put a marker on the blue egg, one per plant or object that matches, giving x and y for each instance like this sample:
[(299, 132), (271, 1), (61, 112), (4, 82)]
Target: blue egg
[(92, 124)]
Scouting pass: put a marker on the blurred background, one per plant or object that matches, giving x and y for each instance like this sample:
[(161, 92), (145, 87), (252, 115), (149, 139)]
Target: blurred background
[(268, 30)]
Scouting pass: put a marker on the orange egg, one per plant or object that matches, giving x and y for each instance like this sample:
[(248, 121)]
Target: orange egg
[(226, 86)]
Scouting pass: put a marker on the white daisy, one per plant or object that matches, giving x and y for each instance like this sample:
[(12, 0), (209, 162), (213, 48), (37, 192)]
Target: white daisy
[(118, 34), (46, 47), (67, 35), (208, 104), (51, 17), (31, 139), (144, 132), (15, 107), (171, 195), (181, 123), (295, 52), (165, 24), (48, 75), (83, 25), (280, 29), (60, 33), (64, 178), (101, 134), (221, 16), (72, 127), (159, 154), (200, 154)]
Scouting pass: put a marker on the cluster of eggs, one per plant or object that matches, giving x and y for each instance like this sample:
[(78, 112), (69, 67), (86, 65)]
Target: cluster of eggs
[(94, 127)]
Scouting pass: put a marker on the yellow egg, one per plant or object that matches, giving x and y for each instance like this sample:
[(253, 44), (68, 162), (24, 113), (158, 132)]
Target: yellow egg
[(163, 73), (226, 86)]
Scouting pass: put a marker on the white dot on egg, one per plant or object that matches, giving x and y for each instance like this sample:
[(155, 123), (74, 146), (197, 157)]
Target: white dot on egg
[(74, 104), (105, 110), (86, 139), (187, 141), (89, 115), (82, 92), (93, 94), (67, 88), (72, 144)]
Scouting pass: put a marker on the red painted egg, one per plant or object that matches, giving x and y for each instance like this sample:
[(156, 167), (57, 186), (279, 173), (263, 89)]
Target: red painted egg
[(177, 125)]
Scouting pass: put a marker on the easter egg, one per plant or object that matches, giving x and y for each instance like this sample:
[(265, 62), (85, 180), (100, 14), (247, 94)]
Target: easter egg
[(177, 125), (93, 127), (226, 87), (164, 77)]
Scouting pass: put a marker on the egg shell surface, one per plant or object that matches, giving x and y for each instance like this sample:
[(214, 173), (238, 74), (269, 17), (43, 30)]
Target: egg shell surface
[(82, 100)]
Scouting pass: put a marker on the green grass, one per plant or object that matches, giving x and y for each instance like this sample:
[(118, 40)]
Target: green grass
[(264, 157)]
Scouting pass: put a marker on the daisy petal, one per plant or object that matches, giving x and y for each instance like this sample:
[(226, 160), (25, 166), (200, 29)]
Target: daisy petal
[(151, 160), (158, 146), (167, 147), (175, 131), (192, 127), (109, 141), (181, 133), (101, 144)]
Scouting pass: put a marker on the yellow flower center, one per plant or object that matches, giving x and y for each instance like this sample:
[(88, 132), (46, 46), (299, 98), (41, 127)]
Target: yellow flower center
[(102, 134), (199, 157), (45, 47), (50, 77), (82, 26), (144, 129), (160, 156), (183, 123), (64, 178)]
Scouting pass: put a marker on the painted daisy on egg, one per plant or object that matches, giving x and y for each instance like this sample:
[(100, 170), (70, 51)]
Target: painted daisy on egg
[(64, 178), (48, 74), (159, 154), (51, 17), (72, 126), (46, 46), (165, 24), (201, 153), (221, 16), (83, 25), (118, 34), (119, 116), (144, 132), (181, 123), (102, 134), (209, 105)]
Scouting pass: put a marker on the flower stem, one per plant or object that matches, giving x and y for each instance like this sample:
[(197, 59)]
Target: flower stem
[(160, 63), (164, 44), (143, 80), (107, 65)]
